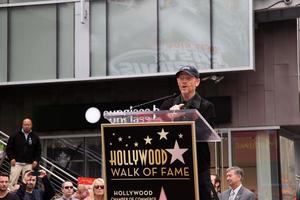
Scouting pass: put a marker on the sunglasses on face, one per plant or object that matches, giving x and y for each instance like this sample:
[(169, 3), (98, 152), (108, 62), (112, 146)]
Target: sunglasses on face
[(68, 187), (99, 186)]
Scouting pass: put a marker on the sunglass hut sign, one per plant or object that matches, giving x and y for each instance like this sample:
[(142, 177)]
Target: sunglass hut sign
[(149, 162)]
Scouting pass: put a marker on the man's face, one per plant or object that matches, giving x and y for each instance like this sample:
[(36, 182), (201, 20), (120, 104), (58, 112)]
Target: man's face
[(187, 84), (30, 182), (67, 189), (27, 125), (233, 179), (3, 183)]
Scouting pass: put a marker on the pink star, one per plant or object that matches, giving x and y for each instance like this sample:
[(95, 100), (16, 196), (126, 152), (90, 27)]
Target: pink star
[(162, 195), (177, 153)]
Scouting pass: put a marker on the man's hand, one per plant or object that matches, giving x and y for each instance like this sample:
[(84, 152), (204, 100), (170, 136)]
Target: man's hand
[(34, 164), (13, 162), (177, 107), (15, 188), (42, 173), (174, 115), (27, 176)]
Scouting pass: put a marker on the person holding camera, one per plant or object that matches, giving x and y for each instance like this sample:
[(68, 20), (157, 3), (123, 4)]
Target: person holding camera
[(27, 190), (23, 151)]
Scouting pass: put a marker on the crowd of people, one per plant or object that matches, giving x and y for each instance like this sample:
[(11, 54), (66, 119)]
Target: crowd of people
[(95, 192), (24, 153), (29, 190)]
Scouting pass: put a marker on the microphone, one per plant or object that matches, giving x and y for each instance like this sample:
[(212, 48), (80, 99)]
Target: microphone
[(153, 101)]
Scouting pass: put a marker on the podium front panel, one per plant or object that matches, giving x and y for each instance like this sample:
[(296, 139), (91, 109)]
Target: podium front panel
[(150, 161)]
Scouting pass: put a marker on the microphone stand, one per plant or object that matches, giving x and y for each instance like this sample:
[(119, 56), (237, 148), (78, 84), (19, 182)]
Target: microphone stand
[(153, 101)]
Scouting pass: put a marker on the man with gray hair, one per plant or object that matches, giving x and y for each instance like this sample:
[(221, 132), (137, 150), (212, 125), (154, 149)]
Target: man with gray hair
[(237, 191)]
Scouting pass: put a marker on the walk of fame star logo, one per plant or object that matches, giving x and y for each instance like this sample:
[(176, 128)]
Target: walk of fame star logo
[(162, 136), (177, 153)]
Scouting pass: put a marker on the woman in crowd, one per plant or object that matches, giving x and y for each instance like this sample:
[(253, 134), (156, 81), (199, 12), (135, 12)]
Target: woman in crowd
[(97, 192)]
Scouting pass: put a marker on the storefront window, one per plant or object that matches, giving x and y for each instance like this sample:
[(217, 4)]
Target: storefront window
[(256, 153), (79, 156), (287, 161), (244, 156)]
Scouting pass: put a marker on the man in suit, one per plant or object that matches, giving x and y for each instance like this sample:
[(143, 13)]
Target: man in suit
[(237, 191)]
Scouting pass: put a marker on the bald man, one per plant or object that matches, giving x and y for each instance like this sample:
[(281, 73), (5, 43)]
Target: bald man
[(23, 150)]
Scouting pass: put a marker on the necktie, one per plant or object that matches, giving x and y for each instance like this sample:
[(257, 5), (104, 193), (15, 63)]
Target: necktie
[(231, 195)]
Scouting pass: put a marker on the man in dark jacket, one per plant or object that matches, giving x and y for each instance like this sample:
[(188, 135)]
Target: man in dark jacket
[(27, 190), (23, 150), (188, 80)]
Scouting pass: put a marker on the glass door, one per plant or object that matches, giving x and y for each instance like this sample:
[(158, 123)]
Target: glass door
[(220, 156), (256, 152)]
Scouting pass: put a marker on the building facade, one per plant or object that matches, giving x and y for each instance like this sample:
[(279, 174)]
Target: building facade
[(59, 58)]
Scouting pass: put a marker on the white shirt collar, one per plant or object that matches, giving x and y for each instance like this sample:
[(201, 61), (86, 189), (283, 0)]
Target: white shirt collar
[(236, 190), (26, 133)]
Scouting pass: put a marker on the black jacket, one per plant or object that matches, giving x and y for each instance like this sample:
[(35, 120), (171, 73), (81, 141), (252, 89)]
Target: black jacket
[(207, 110), (23, 150), (38, 194), (10, 196)]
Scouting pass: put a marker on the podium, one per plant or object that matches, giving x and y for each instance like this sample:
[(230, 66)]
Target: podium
[(152, 154), (204, 132)]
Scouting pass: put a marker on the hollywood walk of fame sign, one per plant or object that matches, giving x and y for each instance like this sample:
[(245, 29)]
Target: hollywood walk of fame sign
[(150, 161)]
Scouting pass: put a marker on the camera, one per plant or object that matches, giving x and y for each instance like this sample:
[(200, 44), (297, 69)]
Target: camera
[(35, 173)]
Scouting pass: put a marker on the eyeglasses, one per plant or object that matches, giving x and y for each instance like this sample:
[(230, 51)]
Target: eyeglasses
[(99, 186), (68, 187)]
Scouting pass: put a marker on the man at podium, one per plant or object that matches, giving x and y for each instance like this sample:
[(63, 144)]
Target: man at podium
[(188, 80)]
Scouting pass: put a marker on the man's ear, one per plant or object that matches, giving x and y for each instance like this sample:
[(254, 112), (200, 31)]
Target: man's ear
[(198, 82)]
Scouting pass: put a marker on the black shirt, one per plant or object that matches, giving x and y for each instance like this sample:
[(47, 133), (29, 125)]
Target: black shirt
[(10, 196), (207, 110)]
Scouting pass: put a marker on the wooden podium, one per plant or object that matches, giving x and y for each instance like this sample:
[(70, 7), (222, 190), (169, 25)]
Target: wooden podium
[(152, 155)]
